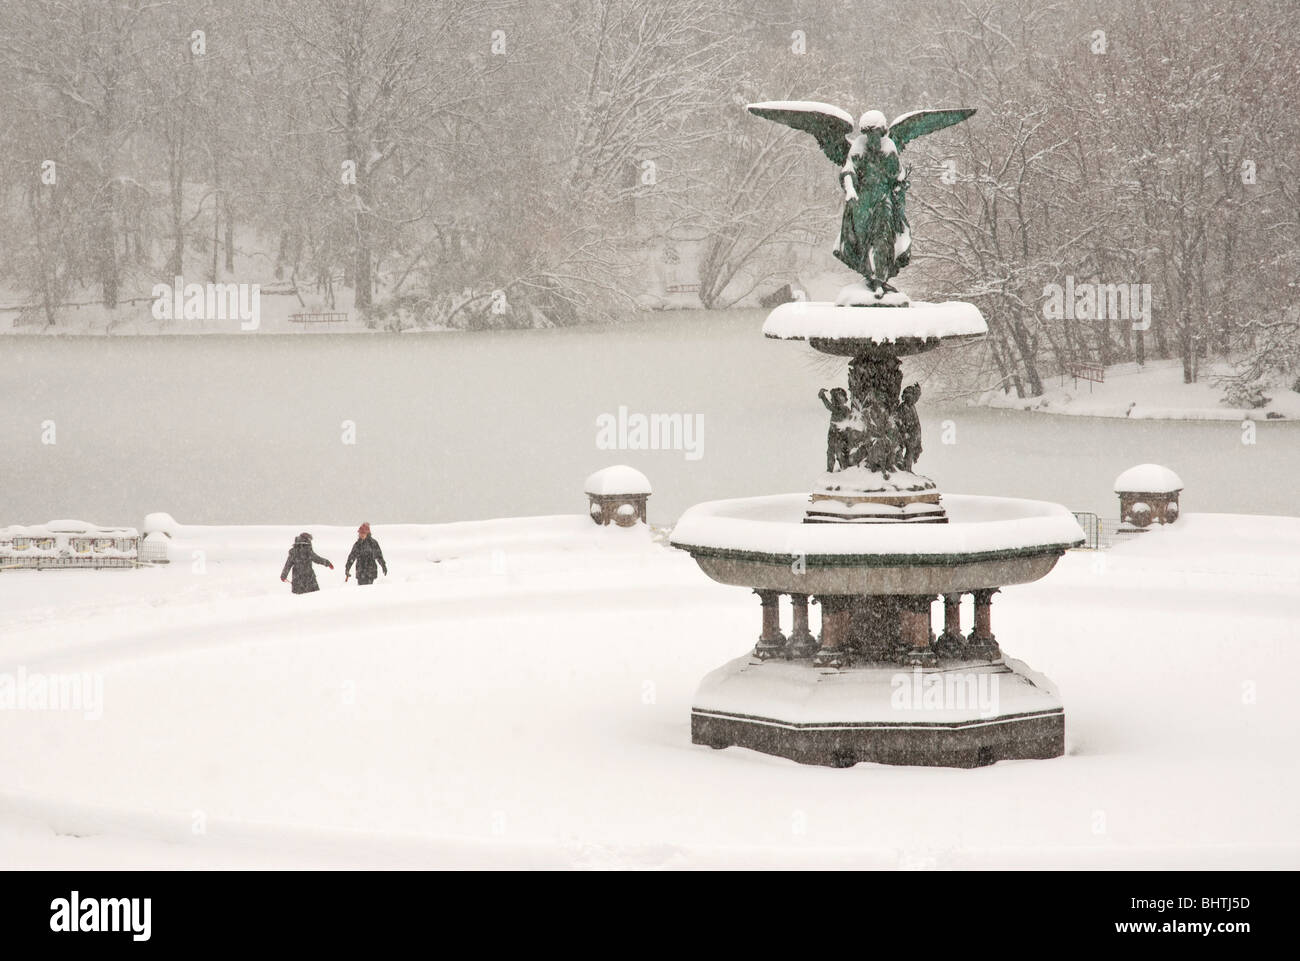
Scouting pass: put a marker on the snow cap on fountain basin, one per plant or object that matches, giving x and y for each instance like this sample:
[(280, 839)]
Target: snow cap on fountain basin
[(849, 330), (762, 542)]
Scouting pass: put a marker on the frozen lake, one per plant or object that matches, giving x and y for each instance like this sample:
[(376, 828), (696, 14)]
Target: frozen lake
[(250, 429)]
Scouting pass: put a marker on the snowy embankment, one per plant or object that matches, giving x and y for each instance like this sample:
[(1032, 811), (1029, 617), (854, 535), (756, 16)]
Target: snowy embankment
[(276, 307), (1155, 391), (517, 693)]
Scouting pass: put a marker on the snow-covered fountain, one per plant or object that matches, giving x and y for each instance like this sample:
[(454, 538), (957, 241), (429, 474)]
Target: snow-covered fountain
[(873, 543)]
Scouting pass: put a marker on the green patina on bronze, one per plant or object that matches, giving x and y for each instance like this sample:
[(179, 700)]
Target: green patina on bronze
[(874, 425), (875, 239)]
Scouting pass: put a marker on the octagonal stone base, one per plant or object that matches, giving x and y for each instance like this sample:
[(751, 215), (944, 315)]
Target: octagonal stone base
[(958, 714)]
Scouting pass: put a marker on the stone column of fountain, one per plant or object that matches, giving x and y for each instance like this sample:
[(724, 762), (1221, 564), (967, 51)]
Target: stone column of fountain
[(875, 544)]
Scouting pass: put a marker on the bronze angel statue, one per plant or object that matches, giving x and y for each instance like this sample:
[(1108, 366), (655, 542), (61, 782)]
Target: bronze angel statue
[(875, 239)]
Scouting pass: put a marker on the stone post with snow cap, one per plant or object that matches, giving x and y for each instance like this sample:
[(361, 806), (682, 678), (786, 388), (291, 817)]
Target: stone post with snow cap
[(159, 528), (1148, 494), (617, 494)]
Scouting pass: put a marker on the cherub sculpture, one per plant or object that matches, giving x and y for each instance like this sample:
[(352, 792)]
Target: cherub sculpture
[(875, 239), (875, 429), (837, 435), (909, 428)]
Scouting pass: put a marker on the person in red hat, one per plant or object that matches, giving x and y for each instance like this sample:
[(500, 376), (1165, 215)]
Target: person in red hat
[(366, 554)]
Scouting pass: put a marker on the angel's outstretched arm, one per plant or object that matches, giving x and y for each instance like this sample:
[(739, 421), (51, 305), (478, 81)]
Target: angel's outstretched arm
[(849, 181)]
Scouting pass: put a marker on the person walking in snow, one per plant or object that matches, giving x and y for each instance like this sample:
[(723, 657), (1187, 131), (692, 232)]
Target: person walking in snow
[(365, 554), (300, 561)]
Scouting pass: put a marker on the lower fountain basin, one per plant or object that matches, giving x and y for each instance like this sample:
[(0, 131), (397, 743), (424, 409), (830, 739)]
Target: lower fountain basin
[(988, 542)]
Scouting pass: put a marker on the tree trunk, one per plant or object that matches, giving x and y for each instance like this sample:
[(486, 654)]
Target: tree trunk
[(230, 233), (282, 254), (361, 269), (216, 236), (106, 262), (107, 244), (42, 258), (1027, 362)]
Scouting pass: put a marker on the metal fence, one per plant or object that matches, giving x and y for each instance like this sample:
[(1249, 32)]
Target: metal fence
[(12, 563), (1091, 525), (1099, 532)]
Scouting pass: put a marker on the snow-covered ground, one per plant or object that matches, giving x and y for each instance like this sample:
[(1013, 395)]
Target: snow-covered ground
[(1153, 391), (517, 692)]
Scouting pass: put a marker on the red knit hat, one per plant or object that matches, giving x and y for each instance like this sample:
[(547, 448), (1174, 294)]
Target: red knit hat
[(364, 528)]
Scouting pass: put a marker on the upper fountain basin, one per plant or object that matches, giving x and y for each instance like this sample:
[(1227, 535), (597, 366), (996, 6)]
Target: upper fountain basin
[(762, 542), (847, 331)]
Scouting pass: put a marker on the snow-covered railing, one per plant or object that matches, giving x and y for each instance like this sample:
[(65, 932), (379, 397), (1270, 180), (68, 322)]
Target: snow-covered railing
[(1093, 373), (1091, 526), (67, 544), (319, 318)]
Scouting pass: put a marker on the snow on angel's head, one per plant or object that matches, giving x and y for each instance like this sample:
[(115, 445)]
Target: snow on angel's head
[(873, 120)]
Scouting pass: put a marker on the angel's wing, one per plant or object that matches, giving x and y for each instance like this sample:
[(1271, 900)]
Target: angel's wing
[(830, 125), (918, 123)]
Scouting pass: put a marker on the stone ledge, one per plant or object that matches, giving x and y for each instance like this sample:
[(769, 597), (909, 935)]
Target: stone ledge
[(842, 717), (974, 745)]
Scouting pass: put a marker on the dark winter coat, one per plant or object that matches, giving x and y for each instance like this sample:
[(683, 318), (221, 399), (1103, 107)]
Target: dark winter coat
[(300, 561), (366, 553)]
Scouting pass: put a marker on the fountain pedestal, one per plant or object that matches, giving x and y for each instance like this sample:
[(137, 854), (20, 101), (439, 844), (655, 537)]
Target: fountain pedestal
[(878, 685), (855, 495), (960, 715), (876, 545)]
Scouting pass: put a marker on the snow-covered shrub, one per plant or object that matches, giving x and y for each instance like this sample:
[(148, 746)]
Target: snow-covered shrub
[(1239, 394), (402, 312)]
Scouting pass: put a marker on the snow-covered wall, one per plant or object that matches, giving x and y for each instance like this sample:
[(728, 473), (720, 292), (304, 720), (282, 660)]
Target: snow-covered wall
[(67, 543)]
